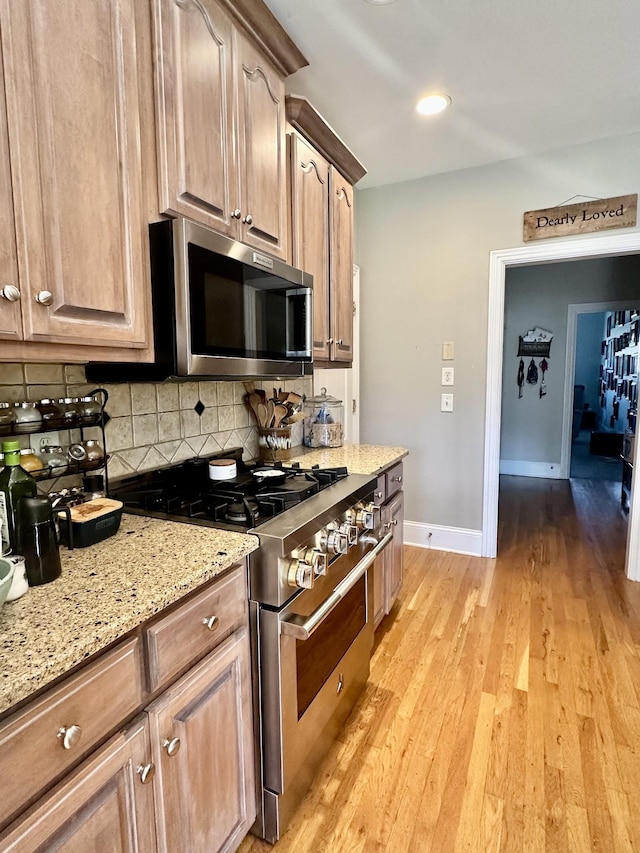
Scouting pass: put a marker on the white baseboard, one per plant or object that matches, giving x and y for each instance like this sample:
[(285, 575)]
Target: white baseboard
[(460, 540), (548, 470)]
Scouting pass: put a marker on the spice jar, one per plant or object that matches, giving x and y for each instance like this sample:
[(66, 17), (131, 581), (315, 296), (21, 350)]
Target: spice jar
[(77, 453), (89, 410), (54, 458), (69, 411), (28, 418), (30, 461), (7, 418), (95, 454), (50, 412)]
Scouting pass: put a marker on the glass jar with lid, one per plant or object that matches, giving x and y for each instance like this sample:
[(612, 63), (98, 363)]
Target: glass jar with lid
[(324, 416), (95, 453), (54, 458), (7, 418), (28, 418), (50, 413), (89, 410), (69, 411), (30, 461)]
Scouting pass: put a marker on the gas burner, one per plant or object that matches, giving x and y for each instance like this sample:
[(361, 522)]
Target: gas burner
[(236, 513)]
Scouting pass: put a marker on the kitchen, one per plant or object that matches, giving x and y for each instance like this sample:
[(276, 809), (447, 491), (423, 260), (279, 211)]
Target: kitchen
[(451, 508)]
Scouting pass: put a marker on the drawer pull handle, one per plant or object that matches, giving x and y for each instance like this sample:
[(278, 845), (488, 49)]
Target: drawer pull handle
[(211, 622), (172, 746), (340, 686), (396, 479), (70, 735), (146, 772)]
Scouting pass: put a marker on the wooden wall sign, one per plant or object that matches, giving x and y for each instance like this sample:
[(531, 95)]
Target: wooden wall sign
[(581, 218)]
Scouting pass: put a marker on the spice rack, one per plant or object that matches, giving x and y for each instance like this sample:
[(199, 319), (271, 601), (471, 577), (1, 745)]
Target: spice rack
[(79, 424)]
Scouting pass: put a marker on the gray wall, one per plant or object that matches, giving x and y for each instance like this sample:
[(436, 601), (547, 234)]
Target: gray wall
[(590, 334), (540, 296), (423, 250)]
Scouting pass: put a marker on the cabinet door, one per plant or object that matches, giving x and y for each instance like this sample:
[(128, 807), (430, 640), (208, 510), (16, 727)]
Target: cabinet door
[(262, 150), (202, 742), (10, 320), (310, 232), (103, 805), (341, 286), (394, 568), (73, 119), (197, 174)]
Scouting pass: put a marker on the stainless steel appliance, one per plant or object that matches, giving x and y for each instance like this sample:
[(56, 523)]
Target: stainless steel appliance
[(310, 603), (220, 310)]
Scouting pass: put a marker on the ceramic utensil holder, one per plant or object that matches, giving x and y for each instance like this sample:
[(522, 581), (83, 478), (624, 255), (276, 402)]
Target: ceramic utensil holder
[(274, 443)]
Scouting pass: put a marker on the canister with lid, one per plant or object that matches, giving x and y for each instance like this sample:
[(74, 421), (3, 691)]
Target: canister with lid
[(94, 452), (69, 411), (54, 458), (28, 418), (7, 418), (50, 412), (324, 416), (30, 461), (88, 410)]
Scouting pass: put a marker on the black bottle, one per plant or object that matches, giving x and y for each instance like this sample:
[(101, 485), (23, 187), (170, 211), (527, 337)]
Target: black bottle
[(37, 540)]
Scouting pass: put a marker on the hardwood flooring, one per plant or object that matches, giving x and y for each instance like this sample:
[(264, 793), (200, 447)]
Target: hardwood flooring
[(503, 708)]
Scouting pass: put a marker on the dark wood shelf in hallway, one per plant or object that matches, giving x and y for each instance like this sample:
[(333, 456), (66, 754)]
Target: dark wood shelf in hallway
[(503, 709)]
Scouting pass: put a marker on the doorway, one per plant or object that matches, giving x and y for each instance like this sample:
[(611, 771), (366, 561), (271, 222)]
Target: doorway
[(500, 262)]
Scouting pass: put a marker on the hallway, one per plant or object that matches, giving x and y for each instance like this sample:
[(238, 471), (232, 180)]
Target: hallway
[(502, 712)]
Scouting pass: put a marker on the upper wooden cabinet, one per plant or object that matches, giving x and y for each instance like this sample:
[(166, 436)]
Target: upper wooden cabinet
[(74, 215), (323, 172), (220, 69)]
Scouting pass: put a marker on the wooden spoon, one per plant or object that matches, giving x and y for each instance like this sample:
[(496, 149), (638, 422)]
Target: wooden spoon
[(262, 415), (280, 412), (271, 410)]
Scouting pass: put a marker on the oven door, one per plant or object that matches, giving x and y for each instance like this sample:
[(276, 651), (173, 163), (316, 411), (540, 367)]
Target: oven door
[(314, 664)]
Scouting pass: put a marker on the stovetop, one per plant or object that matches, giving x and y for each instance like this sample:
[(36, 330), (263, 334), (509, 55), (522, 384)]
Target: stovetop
[(185, 492)]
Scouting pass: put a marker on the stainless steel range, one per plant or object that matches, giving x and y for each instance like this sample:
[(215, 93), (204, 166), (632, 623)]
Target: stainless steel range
[(310, 602)]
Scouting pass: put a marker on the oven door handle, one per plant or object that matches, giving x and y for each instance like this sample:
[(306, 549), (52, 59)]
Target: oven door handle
[(294, 626)]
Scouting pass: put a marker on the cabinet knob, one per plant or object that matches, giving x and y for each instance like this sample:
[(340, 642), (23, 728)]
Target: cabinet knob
[(378, 495), (211, 622), (44, 297), (396, 479), (339, 342), (395, 522), (69, 736), (330, 341), (340, 686), (10, 292), (146, 772), (172, 746), (237, 213), (248, 219)]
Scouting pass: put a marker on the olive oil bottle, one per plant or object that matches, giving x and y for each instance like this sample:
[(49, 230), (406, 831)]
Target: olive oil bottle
[(15, 484)]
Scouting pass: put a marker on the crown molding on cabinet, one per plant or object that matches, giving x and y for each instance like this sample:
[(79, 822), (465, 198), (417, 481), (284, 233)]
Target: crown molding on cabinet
[(305, 119), (258, 19)]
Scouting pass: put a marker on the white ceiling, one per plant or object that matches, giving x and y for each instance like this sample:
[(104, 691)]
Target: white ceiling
[(525, 76)]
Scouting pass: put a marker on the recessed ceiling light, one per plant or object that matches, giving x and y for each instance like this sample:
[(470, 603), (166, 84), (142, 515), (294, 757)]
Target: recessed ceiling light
[(380, 2), (433, 104)]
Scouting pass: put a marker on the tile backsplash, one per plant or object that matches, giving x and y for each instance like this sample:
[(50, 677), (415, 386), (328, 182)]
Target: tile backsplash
[(152, 424)]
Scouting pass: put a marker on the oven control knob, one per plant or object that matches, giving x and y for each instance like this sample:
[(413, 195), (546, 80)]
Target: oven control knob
[(335, 542), (300, 574), (318, 560), (364, 516), (351, 532)]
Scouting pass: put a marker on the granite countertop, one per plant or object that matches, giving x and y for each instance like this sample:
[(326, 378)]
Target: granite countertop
[(103, 593), (359, 458)]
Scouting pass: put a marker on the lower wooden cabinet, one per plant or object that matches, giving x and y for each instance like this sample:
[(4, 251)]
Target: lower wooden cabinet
[(202, 746), (388, 569), (103, 805)]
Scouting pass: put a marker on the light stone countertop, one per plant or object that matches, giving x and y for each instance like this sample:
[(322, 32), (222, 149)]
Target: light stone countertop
[(359, 458), (104, 592)]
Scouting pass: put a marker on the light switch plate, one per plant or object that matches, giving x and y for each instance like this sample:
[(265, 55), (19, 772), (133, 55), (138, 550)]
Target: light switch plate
[(446, 402), (447, 376), (447, 351)]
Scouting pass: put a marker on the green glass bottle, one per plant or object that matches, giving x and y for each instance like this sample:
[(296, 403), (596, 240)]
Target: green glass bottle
[(15, 484)]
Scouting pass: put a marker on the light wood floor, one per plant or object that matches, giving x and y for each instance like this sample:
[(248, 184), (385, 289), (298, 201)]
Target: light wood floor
[(503, 709)]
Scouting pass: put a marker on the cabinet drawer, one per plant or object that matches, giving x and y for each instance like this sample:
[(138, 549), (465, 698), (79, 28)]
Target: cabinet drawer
[(86, 706), (380, 494), (194, 628), (394, 480)]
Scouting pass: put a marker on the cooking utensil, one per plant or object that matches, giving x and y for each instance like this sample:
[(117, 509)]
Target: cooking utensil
[(271, 411), (262, 415), (279, 413), (269, 476)]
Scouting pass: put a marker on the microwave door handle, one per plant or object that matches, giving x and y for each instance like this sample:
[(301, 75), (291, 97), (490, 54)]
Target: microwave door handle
[(295, 626)]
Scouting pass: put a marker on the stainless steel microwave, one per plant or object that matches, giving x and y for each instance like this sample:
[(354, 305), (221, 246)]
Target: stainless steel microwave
[(221, 310)]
